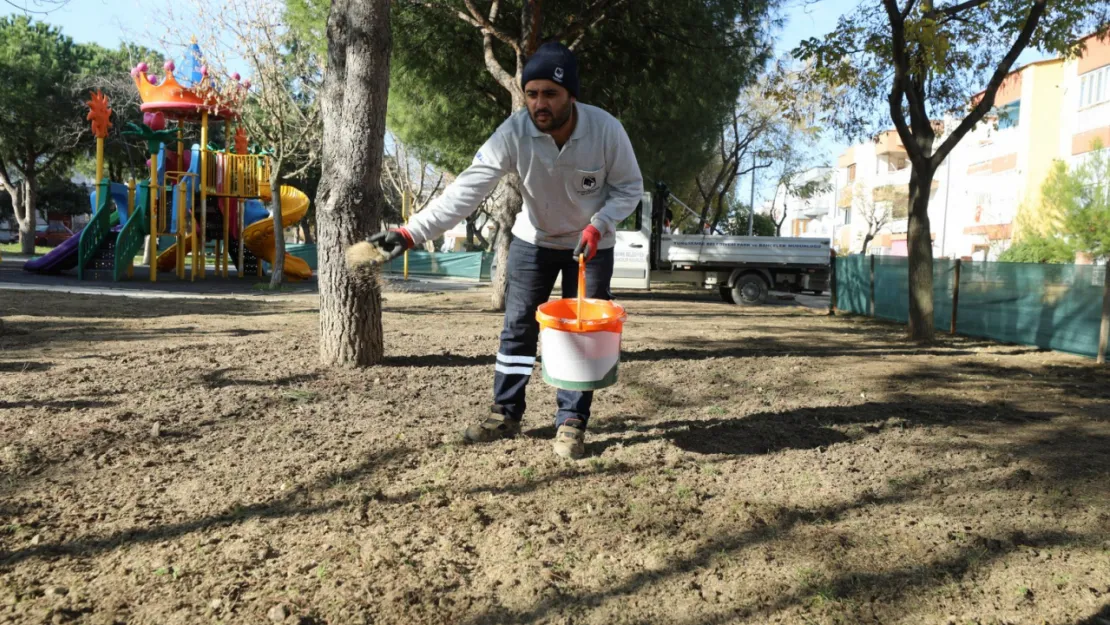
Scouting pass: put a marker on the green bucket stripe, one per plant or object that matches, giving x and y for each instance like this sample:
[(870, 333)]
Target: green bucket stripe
[(609, 380)]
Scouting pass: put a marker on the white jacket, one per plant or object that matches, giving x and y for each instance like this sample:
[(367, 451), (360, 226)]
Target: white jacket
[(593, 179)]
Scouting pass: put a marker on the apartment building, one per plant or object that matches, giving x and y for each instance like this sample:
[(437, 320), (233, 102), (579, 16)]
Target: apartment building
[(813, 215), (990, 185)]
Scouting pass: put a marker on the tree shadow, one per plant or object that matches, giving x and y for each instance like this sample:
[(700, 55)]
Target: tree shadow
[(217, 378), (439, 360), (864, 586), (60, 404), (24, 366), (1102, 617), (295, 503)]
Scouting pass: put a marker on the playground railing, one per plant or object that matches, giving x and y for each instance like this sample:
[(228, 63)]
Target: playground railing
[(99, 227), (131, 236), (167, 204), (237, 175)]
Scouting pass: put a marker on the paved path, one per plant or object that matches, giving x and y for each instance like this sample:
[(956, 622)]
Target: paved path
[(12, 277)]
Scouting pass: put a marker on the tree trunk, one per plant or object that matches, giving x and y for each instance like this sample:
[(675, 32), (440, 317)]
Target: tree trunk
[(866, 241), (306, 231), (25, 216), (921, 256), (349, 201), (504, 212), (277, 270)]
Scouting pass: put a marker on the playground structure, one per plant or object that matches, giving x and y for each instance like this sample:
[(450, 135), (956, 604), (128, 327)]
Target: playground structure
[(192, 196)]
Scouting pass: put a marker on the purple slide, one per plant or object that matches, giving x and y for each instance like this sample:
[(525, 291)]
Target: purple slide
[(59, 259)]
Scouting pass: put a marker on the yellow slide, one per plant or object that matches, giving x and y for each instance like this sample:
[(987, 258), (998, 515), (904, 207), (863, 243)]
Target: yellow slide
[(259, 236)]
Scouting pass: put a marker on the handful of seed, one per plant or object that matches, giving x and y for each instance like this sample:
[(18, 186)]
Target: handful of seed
[(364, 255)]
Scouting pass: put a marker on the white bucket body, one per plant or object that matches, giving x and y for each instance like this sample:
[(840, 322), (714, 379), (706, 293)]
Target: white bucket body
[(580, 361)]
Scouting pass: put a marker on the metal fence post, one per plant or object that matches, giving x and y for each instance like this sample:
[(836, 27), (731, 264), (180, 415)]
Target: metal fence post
[(832, 286), (955, 296), (1104, 329), (871, 298)]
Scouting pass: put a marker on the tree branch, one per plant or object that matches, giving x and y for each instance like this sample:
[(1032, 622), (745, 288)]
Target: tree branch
[(594, 14), (5, 180), (1000, 73), (909, 7), (956, 9), (899, 87), (504, 78), (487, 27)]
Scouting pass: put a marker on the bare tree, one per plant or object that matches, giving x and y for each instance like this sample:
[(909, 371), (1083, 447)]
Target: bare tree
[(875, 214), (409, 175), (407, 172), (792, 183), (769, 118)]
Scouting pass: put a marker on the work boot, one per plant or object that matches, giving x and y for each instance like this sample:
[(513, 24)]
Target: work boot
[(570, 440), (494, 428)]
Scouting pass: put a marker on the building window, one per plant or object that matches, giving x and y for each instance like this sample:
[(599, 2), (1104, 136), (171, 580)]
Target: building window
[(1009, 115), (852, 172), (1094, 87), (847, 216)]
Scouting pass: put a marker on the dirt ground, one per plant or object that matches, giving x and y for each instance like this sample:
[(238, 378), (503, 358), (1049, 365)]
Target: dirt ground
[(187, 461)]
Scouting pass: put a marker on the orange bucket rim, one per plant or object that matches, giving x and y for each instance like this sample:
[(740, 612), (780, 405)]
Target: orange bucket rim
[(615, 323)]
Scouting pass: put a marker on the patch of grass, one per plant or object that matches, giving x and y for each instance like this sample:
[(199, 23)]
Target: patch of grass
[(597, 464), (1061, 581), (298, 395), (709, 469), (528, 473), (814, 584), (639, 480), (14, 248), (684, 492), (529, 550), (321, 571), (172, 571), (717, 411)]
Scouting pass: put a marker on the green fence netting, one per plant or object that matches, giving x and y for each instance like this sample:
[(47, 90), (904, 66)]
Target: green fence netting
[(1051, 306), (303, 251), (892, 293), (471, 265), (853, 284)]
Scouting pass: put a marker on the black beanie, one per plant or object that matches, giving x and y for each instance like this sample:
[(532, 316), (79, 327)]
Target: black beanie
[(555, 62)]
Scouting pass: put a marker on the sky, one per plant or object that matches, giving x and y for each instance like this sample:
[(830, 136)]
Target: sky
[(109, 22)]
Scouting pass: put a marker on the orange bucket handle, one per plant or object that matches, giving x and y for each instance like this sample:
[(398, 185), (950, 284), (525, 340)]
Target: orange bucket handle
[(581, 286)]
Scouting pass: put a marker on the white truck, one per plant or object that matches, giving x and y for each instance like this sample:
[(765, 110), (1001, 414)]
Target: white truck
[(743, 269)]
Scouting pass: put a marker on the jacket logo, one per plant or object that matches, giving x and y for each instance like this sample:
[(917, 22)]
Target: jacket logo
[(589, 182), (559, 74)]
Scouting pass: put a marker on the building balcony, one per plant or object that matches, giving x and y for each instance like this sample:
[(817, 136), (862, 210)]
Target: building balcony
[(844, 199), (900, 177), (815, 211)]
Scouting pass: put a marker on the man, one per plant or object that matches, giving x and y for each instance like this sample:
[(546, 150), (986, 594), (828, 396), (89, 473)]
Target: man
[(580, 179)]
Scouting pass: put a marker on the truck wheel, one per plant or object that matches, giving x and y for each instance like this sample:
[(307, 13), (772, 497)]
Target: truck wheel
[(749, 290), (726, 295), (818, 293)]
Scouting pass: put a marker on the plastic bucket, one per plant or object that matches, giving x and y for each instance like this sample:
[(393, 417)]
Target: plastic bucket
[(581, 343)]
